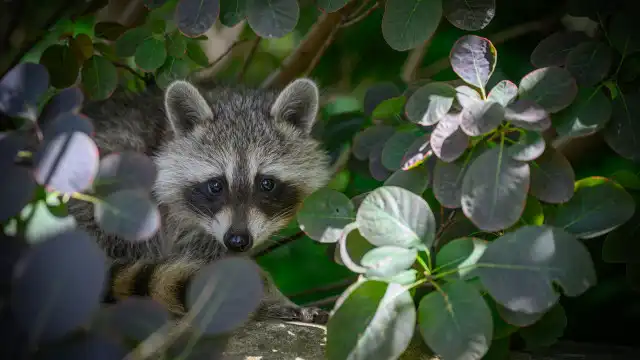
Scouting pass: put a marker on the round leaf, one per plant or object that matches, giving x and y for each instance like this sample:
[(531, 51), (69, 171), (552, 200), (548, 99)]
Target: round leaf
[(469, 15), (503, 92), (481, 117), (388, 261), (622, 133), (196, 17), (377, 94), (366, 311), (589, 62), (135, 318), (395, 148), (17, 184), (474, 59), (524, 264), (527, 114), (176, 45), (130, 214), (546, 331), (331, 5), (125, 170), (552, 177), (109, 30), (598, 206), (82, 46), (99, 78), (221, 304), (365, 140), (415, 179), (272, 19), (66, 101), (457, 326), (460, 254), (551, 87), (62, 65), (408, 23), (554, 49), (466, 96), (324, 214), (447, 182), (448, 141), (151, 54), (21, 88), (58, 286), (195, 53), (494, 190), (83, 346), (67, 123), (172, 70), (529, 147), (588, 114), (127, 44), (430, 103), (518, 318), (389, 108), (67, 163), (232, 12), (391, 215), (376, 168), (417, 152)]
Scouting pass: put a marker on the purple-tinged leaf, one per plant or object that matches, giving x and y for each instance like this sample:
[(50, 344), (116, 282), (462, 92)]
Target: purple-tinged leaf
[(376, 168), (469, 15), (553, 50), (125, 170), (588, 114), (552, 177), (474, 59), (17, 185), (272, 19), (196, 17), (528, 115), (529, 147), (129, 213), (551, 87), (448, 141), (467, 96), (66, 101), (378, 93), (21, 89), (503, 92), (481, 118), (67, 123), (366, 140), (430, 103), (589, 62), (417, 153), (396, 147)]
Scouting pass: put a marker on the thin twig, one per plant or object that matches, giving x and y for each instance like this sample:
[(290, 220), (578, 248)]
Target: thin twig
[(222, 56), (129, 69), (356, 19), (279, 243), (413, 61), (323, 302), (321, 51), (247, 60), (497, 38), (333, 286)]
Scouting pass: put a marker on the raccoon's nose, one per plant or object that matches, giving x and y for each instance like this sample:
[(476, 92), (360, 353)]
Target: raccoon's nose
[(238, 242)]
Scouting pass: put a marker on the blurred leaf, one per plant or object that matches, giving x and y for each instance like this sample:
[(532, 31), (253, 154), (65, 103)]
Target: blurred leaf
[(364, 310), (127, 44), (551, 87), (82, 46), (623, 32), (85, 345), (43, 224), (448, 141), (109, 30), (504, 92), (125, 170), (17, 185), (62, 65), (622, 132), (549, 255), (99, 78), (135, 318), (554, 49), (196, 17), (324, 214), (546, 331), (332, 5), (151, 54), (598, 206), (364, 141), (195, 53), (552, 177), (474, 59), (389, 108), (456, 324), (467, 96), (21, 88), (232, 12), (272, 19), (589, 62), (128, 213), (588, 114), (627, 179), (622, 245), (469, 15), (408, 23)]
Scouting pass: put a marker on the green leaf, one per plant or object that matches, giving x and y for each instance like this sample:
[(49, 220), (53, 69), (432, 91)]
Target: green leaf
[(377, 93), (481, 117), (274, 18), (357, 247), (494, 190), (622, 133), (528, 115), (415, 179), (394, 210), (533, 213), (196, 17), (195, 53), (551, 87), (127, 44), (518, 318), (588, 114), (589, 62), (99, 78), (622, 245), (173, 69), (417, 153), (430, 103), (623, 32), (408, 23), (627, 179), (474, 59), (378, 171), (365, 140), (396, 146), (324, 214), (503, 92), (521, 267), (331, 5), (552, 177), (458, 326), (388, 261), (469, 15), (501, 328), (82, 47), (109, 30), (389, 108), (157, 26), (546, 331), (62, 65), (554, 49), (598, 206), (529, 147), (459, 254), (232, 12), (448, 141), (176, 45), (447, 182), (43, 224), (151, 54), (362, 316)]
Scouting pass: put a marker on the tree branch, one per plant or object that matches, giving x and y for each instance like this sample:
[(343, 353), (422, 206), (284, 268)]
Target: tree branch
[(413, 61), (247, 60), (310, 48)]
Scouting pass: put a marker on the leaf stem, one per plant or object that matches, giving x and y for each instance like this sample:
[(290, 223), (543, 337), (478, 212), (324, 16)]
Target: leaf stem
[(85, 197), (423, 264)]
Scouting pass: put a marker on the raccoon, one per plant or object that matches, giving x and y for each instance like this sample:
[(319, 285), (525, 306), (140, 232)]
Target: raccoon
[(233, 165)]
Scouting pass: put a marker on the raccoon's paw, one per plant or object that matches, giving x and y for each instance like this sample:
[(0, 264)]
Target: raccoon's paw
[(314, 315), (311, 315)]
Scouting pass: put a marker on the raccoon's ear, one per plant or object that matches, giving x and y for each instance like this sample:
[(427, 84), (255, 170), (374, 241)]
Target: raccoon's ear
[(298, 104), (185, 106)]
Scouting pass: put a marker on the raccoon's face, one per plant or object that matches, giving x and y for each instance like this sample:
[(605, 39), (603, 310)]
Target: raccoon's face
[(241, 162)]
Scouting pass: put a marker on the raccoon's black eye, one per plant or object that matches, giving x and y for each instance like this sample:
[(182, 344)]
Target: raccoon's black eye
[(267, 184), (214, 186)]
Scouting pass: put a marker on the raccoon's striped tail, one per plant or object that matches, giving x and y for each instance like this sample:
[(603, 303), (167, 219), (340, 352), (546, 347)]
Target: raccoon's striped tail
[(164, 281)]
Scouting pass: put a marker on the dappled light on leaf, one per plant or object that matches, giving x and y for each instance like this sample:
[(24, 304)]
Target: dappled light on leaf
[(529, 147), (554, 49), (196, 17), (551, 87), (324, 214), (503, 92), (481, 117), (474, 59)]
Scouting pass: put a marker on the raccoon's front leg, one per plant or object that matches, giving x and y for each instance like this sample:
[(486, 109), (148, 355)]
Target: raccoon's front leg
[(277, 306)]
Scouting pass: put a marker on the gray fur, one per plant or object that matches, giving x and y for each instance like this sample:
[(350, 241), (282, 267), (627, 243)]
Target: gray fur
[(194, 133)]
